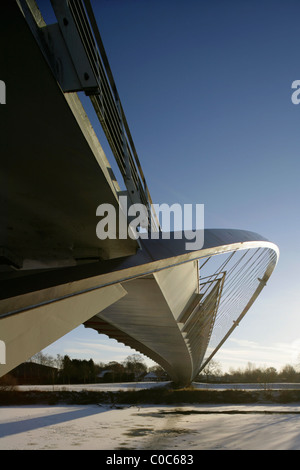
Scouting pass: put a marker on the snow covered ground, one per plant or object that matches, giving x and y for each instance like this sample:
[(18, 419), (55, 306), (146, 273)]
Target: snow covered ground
[(108, 387), (150, 427), (114, 387)]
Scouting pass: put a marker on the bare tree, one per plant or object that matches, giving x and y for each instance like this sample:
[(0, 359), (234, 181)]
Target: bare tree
[(135, 364), (212, 369)]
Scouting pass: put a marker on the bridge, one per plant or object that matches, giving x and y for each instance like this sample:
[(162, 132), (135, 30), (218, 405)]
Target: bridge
[(175, 305)]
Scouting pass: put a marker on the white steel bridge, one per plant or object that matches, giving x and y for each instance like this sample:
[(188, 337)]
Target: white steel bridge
[(174, 305)]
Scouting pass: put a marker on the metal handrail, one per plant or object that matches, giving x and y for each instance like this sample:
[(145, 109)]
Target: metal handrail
[(108, 107)]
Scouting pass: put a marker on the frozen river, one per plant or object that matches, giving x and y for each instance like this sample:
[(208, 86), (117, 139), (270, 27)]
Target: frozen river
[(151, 427), (187, 427)]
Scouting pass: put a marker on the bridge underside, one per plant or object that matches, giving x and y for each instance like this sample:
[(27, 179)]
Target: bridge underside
[(144, 320), (54, 172), (160, 301)]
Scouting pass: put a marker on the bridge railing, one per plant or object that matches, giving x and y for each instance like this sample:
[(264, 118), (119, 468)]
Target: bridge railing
[(78, 27)]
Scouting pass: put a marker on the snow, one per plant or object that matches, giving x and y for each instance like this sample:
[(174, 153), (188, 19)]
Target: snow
[(114, 387), (251, 386), (150, 427), (105, 387), (146, 427)]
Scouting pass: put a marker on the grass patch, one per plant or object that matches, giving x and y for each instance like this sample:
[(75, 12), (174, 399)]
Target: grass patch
[(153, 396), (171, 396), (17, 397)]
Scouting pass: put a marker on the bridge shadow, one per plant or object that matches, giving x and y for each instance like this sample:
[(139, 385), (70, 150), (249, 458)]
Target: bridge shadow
[(29, 424)]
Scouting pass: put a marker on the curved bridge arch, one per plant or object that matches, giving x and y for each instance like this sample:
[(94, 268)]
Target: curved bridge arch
[(197, 313), (156, 301)]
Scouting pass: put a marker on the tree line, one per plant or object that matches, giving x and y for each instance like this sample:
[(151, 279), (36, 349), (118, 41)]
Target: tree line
[(64, 370), (45, 369), (250, 374)]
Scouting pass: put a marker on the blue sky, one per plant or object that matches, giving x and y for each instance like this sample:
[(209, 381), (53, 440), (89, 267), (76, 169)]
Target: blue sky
[(206, 88)]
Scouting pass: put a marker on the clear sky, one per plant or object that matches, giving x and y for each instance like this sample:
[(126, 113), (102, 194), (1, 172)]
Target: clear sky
[(206, 88)]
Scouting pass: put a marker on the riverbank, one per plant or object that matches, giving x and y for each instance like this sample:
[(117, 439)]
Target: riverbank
[(155, 395)]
